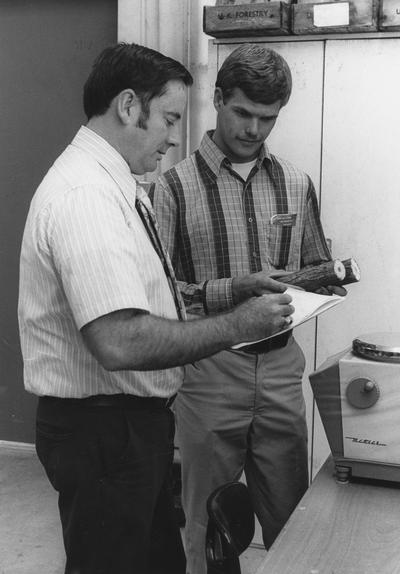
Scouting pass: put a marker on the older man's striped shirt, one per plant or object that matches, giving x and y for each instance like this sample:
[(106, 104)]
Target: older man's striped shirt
[(85, 253), (217, 226)]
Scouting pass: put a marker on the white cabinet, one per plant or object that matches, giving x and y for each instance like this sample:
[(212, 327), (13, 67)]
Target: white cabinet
[(342, 126), (361, 179)]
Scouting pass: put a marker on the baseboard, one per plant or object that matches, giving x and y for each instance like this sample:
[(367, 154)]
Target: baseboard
[(17, 446)]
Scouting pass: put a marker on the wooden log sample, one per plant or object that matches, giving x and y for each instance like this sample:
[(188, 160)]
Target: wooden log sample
[(312, 278), (352, 269), (334, 272)]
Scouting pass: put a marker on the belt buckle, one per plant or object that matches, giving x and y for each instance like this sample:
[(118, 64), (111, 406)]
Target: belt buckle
[(270, 344), (257, 348)]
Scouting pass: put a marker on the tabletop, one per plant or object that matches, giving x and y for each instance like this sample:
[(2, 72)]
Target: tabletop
[(351, 528)]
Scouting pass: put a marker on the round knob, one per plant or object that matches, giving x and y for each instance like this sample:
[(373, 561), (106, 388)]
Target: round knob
[(369, 386), (362, 393)]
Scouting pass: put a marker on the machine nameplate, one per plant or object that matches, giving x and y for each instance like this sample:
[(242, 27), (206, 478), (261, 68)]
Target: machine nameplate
[(365, 441)]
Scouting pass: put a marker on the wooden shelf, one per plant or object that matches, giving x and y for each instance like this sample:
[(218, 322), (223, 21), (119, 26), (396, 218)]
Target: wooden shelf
[(308, 38)]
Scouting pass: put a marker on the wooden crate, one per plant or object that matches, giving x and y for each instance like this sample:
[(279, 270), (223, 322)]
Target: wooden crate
[(335, 17), (389, 15), (256, 19)]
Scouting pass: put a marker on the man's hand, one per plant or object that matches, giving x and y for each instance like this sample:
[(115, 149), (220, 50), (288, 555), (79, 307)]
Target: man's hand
[(260, 317), (257, 284)]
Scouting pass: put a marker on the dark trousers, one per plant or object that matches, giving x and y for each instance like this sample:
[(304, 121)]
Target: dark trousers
[(112, 469)]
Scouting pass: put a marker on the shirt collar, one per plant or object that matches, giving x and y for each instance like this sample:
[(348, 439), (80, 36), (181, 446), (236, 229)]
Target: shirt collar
[(110, 159), (215, 158)]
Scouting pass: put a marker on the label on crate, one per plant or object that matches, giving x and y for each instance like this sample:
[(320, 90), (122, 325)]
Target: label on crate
[(335, 14), (390, 13)]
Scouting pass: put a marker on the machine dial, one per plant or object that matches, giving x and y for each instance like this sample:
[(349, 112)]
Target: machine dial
[(362, 393)]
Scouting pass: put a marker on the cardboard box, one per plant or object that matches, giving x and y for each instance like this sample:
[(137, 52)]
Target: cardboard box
[(335, 17), (257, 19), (389, 15)]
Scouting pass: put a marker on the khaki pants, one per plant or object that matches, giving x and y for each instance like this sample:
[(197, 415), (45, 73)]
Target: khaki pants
[(240, 412)]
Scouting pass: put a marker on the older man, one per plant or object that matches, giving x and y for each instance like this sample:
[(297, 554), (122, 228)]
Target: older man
[(102, 325)]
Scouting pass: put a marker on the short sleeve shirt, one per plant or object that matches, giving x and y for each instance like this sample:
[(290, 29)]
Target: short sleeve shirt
[(85, 253)]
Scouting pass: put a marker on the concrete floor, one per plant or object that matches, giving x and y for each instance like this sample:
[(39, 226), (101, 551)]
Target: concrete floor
[(30, 533)]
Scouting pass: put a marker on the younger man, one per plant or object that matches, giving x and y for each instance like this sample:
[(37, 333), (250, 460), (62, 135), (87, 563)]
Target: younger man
[(232, 216)]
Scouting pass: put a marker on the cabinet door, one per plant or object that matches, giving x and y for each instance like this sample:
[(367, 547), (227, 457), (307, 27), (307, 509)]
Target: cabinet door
[(360, 183)]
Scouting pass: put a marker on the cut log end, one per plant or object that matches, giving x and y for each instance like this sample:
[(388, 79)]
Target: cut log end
[(339, 269), (353, 273)]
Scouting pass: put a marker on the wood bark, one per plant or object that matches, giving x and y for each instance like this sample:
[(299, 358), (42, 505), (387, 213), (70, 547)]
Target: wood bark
[(334, 272), (312, 278)]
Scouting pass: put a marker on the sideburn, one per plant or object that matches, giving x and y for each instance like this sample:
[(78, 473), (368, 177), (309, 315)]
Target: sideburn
[(144, 115)]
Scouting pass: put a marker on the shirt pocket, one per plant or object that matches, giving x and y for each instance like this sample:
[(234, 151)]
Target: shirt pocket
[(281, 238), (272, 241)]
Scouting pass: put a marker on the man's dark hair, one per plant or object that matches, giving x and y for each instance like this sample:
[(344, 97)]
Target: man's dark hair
[(124, 66), (261, 73)]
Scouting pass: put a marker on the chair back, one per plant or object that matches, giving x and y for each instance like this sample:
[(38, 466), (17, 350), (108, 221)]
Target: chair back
[(230, 527)]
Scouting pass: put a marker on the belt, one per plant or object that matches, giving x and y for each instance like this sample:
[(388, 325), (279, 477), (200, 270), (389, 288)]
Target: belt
[(268, 344), (116, 401)]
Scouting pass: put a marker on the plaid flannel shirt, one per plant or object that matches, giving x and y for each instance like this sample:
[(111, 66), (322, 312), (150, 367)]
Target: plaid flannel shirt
[(217, 226)]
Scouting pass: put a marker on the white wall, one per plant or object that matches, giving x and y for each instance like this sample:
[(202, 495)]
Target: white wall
[(174, 27)]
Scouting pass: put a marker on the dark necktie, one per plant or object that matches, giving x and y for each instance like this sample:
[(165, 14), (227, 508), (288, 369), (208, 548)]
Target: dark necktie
[(147, 215)]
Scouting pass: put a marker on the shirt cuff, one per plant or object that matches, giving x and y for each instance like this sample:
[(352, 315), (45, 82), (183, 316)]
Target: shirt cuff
[(217, 296)]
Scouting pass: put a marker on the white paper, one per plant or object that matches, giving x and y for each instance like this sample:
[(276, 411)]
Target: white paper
[(306, 306), (336, 14)]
